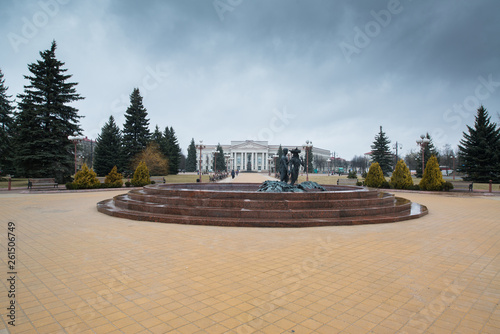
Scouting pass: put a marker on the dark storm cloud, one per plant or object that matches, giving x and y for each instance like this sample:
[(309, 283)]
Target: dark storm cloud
[(283, 71)]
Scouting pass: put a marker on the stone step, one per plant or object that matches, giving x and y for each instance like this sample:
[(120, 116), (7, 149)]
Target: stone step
[(109, 208), (125, 202), (254, 204), (232, 204)]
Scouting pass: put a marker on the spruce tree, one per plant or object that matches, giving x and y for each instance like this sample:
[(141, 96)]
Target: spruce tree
[(108, 150), (157, 137), (172, 150), (429, 150), (381, 152), (221, 162), (191, 157), (136, 128), (6, 125), (479, 149), (278, 159), (46, 119)]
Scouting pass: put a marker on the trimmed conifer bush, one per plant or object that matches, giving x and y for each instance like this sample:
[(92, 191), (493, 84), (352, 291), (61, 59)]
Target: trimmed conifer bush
[(141, 175), (432, 178), (375, 177), (352, 175), (114, 179), (401, 178), (86, 179)]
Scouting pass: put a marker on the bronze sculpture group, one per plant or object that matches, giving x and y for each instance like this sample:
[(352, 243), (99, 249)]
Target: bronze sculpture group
[(290, 167)]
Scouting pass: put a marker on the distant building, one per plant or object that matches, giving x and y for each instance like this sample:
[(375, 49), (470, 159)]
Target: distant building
[(250, 155)]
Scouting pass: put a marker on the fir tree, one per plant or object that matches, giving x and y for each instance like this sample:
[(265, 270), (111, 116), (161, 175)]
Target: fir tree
[(6, 125), (221, 162), (479, 149), (429, 150), (191, 158), (278, 159), (45, 120), (381, 152), (172, 150), (135, 130), (157, 137), (108, 150)]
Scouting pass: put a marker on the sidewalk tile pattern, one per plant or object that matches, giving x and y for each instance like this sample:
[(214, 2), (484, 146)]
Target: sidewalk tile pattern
[(80, 271)]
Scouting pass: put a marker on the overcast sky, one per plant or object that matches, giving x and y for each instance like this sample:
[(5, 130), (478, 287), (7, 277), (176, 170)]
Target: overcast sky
[(283, 71)]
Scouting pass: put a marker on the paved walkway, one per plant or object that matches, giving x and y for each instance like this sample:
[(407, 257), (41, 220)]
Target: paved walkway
[(79, 271)]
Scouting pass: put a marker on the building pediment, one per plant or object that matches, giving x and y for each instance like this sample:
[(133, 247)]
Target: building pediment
[(249, 145)]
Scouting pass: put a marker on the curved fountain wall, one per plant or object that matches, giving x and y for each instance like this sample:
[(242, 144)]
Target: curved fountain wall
[(239, 204)]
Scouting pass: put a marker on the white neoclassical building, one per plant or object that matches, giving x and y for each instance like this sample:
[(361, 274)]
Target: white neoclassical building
[(250, 155)]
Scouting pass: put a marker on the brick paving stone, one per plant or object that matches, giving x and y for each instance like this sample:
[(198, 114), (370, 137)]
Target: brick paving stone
[(82, 271)]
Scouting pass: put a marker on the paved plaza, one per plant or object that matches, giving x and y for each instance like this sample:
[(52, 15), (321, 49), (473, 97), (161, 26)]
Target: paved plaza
[(80, 271)]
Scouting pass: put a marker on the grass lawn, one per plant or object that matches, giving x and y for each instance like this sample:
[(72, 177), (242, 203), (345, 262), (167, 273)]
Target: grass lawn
[(180, 178), (325, 179), (4, 183)]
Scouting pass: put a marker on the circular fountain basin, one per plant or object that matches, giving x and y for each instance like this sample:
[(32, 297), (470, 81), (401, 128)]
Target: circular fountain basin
[(240, 204)]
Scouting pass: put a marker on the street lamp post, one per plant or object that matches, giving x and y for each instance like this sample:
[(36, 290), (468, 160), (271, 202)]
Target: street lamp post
[(75, 139), (453, 157), (397, 146), (201, 147), (269, 160), (422, 142), (307, 147)]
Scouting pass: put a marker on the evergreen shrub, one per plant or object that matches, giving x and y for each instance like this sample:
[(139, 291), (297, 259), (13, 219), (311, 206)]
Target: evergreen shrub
[(113, 179), (86, 179), (401, 178), (375, 177), (448, 186), (432, 178), (352, 175), (141, 175)]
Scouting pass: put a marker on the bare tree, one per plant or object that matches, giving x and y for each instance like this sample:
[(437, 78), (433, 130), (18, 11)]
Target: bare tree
[(319, 162)]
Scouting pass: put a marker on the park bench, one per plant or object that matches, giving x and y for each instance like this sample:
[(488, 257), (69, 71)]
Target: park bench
[(347, 182), (461, 185), (42, 183)]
